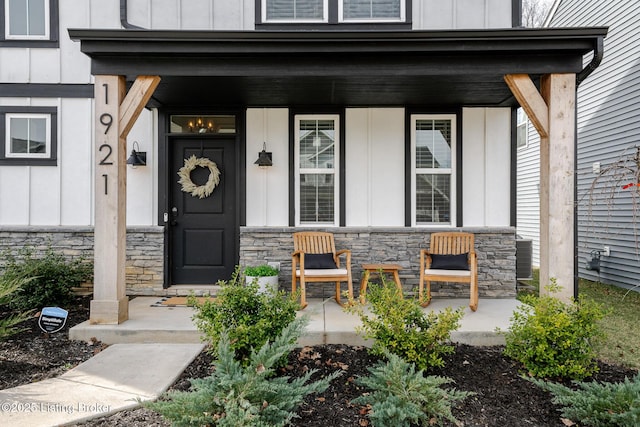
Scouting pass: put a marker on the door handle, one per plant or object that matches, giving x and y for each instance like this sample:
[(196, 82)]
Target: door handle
[(174, 215)]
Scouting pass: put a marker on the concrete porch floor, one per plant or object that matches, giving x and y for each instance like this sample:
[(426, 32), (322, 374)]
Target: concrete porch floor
[(329, 324)]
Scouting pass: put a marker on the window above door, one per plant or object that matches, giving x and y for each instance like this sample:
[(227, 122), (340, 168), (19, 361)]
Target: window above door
[(326, 13)]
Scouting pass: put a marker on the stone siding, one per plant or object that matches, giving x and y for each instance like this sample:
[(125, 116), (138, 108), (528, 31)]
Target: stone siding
[(496, 249), (145, 251)]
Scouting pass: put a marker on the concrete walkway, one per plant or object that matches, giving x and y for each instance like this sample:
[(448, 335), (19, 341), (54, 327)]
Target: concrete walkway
[(109, 382), (150, 351)]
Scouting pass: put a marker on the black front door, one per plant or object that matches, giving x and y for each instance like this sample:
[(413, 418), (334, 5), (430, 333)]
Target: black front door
[(203, 228)]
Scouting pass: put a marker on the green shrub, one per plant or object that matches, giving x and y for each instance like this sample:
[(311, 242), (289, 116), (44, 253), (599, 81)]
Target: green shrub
[(401, 326), (403, 397), (52, 278), (250, 317), (554, 339), (598, 404), (261, 271), (10, 318), (237, 396)]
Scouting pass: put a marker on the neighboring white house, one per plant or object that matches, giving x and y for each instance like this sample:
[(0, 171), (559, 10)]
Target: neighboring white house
[(385, 120), (607, 134)]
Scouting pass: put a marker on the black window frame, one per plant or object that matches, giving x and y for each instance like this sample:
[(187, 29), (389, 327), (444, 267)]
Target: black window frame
[(52, 160), (334, 23), (54, 30)]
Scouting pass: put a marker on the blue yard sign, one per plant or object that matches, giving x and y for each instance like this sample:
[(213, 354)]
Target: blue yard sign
[(52, 319)]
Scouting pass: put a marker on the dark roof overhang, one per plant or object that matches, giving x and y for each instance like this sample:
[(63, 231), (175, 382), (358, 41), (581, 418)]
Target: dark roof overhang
[(412, 68)]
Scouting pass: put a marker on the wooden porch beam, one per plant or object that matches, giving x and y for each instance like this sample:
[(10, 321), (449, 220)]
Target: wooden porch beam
[(530, 100), (137, 97), (115, 114)]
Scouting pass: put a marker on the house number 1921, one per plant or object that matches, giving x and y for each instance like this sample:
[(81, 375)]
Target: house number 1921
[(106, 149)]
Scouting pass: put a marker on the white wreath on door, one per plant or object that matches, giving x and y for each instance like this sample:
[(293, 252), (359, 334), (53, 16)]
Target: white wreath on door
[(188, 186)]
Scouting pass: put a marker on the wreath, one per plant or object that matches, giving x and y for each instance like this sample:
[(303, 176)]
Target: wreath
[(188, 186)]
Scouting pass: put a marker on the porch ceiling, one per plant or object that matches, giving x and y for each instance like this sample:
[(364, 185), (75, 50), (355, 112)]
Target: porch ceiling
[(415, 68)]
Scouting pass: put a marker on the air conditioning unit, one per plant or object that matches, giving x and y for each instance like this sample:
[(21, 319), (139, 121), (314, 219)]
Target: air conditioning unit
[(524, 255)]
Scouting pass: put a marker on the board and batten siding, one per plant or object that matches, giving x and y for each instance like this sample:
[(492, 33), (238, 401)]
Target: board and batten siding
[(607, 130), (375, 170), (461, 14), (63, 194), (240, 14)]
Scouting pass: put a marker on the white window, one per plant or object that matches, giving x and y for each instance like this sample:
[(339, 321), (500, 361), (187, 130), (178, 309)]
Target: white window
[(522, 130), (371, 10), (317, 164), (27, 19), (294, 11), (433, 146), (28, 136)]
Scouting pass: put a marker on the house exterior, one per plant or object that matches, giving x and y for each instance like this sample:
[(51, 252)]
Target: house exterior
[(385, 120), (607, 138)]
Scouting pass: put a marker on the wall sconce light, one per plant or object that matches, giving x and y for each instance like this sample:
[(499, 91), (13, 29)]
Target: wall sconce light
[(137, 157), (264, 158)]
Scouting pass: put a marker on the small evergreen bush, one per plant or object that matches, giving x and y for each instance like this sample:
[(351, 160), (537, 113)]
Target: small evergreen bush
[(402, 397), (598, 404), (250, 318), (10, 318), (236, 396), (52, 278), (553, 339), (400, 325)]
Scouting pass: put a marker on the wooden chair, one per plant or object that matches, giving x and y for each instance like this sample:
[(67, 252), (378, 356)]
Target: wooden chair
[(449, 243), (315, 243)]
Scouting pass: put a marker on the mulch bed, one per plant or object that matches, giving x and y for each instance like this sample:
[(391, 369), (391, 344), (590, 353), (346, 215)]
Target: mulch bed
[(503, 397)]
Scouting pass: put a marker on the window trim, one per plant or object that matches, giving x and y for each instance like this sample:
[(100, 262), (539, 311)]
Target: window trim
[(50, 159), (524, 123), (333, 21), (336, 170), (401, 19), (452, 171), (47, 25), (46, 154), (52, 23), (324, 20)]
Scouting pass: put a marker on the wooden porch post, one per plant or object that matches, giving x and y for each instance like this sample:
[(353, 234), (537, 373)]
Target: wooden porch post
[(552, 112), (115, 115)]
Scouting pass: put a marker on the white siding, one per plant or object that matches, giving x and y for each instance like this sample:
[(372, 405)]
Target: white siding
[(375, 170), (75, 161), (142, 200), (192, 14), (267, 194), (461, 14), (486, 162)]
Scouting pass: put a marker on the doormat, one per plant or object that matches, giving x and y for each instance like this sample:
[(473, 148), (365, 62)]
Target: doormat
[(178, 301)]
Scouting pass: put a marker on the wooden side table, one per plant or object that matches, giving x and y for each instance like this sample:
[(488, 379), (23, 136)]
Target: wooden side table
[(379, 269)]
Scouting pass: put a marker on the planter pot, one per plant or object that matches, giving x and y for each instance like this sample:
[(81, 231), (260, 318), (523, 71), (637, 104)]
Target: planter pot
[(265, 283)]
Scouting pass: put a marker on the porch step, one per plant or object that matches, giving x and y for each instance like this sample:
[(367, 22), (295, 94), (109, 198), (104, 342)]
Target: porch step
[(150, 322)]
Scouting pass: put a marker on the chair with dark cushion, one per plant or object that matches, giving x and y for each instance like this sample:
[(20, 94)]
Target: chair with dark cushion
[(451, 258), (315, 259)]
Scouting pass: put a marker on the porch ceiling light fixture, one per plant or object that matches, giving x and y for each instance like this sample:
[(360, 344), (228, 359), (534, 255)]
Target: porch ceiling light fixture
[(264, 157), (137, 157), (199, 126)]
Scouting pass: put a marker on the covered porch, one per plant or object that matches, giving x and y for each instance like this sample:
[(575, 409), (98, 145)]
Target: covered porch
[(151, 322), (433, 70)]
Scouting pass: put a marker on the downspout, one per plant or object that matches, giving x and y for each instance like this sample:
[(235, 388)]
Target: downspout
[(123, 17), (598, 53)]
